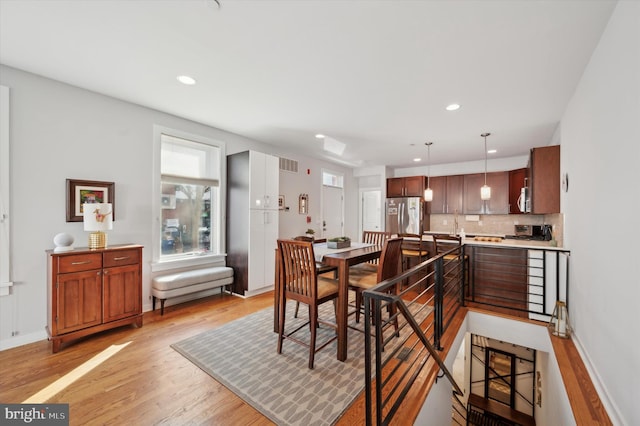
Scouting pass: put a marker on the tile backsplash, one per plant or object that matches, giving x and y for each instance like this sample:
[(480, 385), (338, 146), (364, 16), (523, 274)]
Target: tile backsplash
[(498, 224)]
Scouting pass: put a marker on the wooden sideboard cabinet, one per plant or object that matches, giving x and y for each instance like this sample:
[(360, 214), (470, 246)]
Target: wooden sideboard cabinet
[(89, 291)]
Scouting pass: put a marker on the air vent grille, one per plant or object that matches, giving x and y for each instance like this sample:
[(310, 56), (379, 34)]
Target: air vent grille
[(288, 165)]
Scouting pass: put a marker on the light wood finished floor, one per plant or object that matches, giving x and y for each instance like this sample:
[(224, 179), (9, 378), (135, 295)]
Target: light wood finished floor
[(148, 383)]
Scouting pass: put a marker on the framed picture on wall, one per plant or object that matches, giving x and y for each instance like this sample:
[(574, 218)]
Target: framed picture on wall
[(88, 191)]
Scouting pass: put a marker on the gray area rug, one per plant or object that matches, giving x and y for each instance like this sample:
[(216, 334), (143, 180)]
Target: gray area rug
[(242, 355)]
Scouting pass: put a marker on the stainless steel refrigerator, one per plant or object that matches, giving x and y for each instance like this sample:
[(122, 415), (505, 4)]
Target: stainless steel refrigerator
[(406, 215)]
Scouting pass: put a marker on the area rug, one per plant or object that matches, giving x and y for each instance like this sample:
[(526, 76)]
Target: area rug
[(242, 356)]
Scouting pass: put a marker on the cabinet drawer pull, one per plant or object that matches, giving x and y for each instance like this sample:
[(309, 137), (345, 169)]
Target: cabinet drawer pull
[(121, 258), (86, 262)]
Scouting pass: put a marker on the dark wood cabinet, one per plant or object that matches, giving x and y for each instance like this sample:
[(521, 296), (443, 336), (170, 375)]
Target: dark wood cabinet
[(93, 290), (499, 202), (448, 194), (517, 180), (499, 273), (412, 186), (544, 164)]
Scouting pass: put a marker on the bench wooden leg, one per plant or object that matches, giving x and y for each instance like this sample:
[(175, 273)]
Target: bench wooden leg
[(153, 298), (162, 306)]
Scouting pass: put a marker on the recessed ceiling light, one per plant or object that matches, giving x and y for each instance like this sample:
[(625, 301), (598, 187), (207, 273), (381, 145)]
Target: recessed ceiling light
[(185, 79), (492, 151), (453, 107), (319, 136), (417, 159)]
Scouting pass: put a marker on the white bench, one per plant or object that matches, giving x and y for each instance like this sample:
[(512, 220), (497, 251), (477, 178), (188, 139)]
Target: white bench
[(181, 283)]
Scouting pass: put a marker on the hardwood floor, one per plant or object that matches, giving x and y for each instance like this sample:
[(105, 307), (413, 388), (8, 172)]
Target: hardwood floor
[(146, 382)]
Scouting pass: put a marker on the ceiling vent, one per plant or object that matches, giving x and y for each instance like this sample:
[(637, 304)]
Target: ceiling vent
[(288, 165)]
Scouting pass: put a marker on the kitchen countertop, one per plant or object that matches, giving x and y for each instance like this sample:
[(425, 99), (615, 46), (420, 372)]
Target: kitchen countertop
[(503, 242)]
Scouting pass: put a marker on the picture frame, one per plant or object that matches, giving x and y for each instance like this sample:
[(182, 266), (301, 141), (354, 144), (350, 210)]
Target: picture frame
[(88, 191), (281, 202)]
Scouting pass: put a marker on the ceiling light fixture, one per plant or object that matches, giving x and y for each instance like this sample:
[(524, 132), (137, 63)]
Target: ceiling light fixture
[(319, 136), (453, 107), (485, 191), (428, 193), (417, 159), (185, 79), (492, 151)]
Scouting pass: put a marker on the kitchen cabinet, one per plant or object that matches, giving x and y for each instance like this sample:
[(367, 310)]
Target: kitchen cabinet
[(252, 220), (91, 290), (517, 180), (499, 202), (412, 186), (447, 194), (544, 164)]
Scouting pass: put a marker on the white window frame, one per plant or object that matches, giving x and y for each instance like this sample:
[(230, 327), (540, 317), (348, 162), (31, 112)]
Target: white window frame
[(188, 260)]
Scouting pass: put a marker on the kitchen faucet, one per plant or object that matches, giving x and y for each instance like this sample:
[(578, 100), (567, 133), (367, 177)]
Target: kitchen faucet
[(455, 222)]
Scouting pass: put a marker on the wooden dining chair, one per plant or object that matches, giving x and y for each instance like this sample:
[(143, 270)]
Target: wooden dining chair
[(321, 268), (299, 281), (390, 266), (371, 237)]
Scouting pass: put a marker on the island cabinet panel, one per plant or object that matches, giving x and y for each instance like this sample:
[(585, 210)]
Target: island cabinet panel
[(91, 290), (411, 186), (544, 163), (499, 273), (499, 202)]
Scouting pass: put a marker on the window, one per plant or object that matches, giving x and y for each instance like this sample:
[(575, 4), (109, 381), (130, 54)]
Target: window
[(189, 207)]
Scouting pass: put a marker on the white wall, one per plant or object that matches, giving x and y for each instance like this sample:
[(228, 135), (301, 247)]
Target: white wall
[(58, 132), (600, 141)]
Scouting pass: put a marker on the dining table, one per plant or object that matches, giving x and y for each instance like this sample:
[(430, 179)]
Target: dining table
[(343, 259)]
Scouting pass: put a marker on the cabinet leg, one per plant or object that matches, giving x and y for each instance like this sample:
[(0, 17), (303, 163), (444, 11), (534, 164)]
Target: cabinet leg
[(55, 347)]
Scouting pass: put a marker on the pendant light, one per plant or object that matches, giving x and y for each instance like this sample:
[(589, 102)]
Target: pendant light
[(428, 193), (485, 191)]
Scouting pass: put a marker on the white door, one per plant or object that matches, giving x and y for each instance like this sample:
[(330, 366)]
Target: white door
[(332, 212), (371, 209)]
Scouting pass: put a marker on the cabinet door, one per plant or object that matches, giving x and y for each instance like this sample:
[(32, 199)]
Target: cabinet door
[(473, 204), (122, 296), (271, 181), (455, 194), (439, 203), (395, 187), (414, 186), (545, 180), (256, 180), (499, 202), (257, 257), (79, 297)]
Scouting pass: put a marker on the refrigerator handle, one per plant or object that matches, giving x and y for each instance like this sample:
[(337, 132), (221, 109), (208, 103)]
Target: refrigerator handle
[(400, 218)]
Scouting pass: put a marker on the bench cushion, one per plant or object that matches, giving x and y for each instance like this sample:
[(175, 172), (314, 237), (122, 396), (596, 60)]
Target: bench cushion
[(190, 278)]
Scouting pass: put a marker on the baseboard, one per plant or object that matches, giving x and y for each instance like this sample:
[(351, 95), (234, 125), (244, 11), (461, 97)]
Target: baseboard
[(609, 404), (25, 339)]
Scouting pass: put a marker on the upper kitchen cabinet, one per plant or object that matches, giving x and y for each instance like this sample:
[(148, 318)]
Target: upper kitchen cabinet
[(544, 166), (517, 181), (499, 202), (447, 194), (412, 186)]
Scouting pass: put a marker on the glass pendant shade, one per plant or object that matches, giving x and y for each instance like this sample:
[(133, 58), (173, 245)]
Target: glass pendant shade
[(428, 194), (485, 192)]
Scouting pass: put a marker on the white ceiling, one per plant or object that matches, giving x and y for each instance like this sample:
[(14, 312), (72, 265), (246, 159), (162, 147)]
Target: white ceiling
[(375, 75)]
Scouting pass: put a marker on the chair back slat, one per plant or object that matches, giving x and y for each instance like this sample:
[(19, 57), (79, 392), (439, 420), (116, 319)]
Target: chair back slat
[(445, 242)]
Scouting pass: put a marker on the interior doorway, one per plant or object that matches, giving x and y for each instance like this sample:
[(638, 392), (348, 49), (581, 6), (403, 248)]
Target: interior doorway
[(332, 204), (370, 210)]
